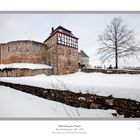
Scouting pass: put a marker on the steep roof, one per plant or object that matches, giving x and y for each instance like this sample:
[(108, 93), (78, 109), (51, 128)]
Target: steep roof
[(83, 54), (63, 30)]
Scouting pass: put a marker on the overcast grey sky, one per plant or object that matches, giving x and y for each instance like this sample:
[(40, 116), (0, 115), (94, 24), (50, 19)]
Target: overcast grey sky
[(86, 27)]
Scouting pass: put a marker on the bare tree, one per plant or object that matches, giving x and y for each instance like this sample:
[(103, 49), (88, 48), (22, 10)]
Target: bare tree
[(117, 41)]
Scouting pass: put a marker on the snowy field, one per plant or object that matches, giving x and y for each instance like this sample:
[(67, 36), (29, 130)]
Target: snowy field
[(15, 104), (118, 85)]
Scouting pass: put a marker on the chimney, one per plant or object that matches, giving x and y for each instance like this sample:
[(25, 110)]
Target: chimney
[(52, 29)]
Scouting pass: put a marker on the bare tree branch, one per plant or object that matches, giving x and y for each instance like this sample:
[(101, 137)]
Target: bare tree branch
[(117, 41)]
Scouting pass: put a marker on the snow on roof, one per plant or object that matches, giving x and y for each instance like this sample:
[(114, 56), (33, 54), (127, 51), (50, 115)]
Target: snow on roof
[(25, 65), (83, 54)]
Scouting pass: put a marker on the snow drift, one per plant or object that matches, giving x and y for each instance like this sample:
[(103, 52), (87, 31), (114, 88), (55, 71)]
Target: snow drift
[(15, 104), (118, 85)]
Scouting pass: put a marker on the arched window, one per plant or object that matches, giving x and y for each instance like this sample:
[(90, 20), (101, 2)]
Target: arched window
[(8, 49)]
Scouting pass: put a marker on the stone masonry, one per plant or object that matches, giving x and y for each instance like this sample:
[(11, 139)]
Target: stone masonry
[(62, 51), (23, 51), (59, 50)]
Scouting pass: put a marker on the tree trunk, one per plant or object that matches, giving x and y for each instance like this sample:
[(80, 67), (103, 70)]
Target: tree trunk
[(116, 61), (116, 55)]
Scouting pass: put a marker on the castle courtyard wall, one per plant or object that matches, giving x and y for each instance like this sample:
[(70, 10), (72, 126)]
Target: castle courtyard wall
[(23, 52), (15, 72)]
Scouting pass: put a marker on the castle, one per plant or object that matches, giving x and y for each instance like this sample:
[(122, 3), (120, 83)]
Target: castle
[(59, 50)]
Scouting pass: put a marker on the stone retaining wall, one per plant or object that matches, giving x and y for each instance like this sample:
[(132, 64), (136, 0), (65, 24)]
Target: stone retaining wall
[(126, 107), (15, 72), (111, 71)]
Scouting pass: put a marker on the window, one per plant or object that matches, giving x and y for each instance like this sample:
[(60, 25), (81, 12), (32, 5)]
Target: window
[(8, 49), (69, 52), (59, 39), (76, 43), (63, 39), (69, 62), (67, 40), (49, 63), (70, 41)]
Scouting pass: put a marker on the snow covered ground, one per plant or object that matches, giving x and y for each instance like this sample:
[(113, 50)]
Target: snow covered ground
[(25, 65), (118, 85), (15, 103)]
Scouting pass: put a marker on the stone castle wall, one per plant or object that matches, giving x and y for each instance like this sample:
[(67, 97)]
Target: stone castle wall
[(52, 58), (15, 72), (67, 59), (52, 55), (23, 52), (62, 58)]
